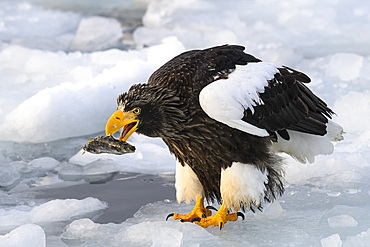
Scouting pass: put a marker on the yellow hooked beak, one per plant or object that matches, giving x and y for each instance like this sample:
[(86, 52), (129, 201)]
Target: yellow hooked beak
[(120, 119)]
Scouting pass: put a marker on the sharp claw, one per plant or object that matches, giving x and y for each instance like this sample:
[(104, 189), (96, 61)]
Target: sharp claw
[(195, 219), (170, 215), (204, 216), (211, 207), (240, 214), (221, 225)]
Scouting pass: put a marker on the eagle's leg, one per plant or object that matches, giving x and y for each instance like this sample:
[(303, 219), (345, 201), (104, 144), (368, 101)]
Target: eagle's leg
[(220, 218), (198, 212)]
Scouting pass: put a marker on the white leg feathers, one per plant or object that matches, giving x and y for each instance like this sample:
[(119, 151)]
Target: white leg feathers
[(187, 184), (243, 183)]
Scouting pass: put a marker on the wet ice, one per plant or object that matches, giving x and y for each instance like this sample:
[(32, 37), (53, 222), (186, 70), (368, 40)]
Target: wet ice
[(8, 177), (96, 171)]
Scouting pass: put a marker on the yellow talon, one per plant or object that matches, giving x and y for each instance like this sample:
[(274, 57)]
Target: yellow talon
[(219, 219), (198, 212)]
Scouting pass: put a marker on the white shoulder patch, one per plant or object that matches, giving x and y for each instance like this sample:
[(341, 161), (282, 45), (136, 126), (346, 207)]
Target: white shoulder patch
[(225, 100)]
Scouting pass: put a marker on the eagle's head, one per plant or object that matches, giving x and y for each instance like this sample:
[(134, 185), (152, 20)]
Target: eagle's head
[(147, 109)]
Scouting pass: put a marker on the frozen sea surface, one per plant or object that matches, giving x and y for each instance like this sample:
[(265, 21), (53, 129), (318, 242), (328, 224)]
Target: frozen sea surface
[(63, 64)]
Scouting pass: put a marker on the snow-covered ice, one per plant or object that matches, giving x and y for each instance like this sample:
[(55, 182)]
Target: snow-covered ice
[(96, 33), (331, 241), (51, 211), (25, 235), (62, 67), (342, 220)]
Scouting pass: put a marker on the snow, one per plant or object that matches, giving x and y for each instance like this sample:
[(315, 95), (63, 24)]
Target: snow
[(62, 67)]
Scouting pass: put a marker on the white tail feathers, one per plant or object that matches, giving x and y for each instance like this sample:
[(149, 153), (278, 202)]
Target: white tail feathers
[(304, 147), (334, 131)]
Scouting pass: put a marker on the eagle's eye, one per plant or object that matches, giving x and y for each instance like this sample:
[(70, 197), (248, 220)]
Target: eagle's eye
[(136, 111)]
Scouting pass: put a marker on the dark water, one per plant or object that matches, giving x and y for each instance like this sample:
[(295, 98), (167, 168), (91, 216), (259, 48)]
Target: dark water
[(125, 194)]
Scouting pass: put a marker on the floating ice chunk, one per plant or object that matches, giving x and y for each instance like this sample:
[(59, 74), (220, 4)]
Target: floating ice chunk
[(52, 211), (85, 230), (82, 229), (342, 220), (96, 33), (21, 166), (70, 170), (36, 168), (96, 171), (331, 241), (44, 164), (100, 167), (59, 210), (8, 177), (24, 236)]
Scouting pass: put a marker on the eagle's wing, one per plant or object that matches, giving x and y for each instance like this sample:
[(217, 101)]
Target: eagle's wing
[(263, 98), (242, 92), (197, 68)]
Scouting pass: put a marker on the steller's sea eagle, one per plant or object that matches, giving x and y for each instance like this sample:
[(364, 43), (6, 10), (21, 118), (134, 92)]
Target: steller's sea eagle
[(225, 114)]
